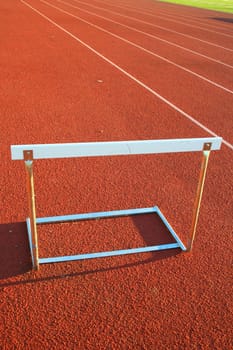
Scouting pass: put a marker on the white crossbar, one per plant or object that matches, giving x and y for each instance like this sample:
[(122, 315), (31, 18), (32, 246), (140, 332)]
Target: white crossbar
[(93, 149)]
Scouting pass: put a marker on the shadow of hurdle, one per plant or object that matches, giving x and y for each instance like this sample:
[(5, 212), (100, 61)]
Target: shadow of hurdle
[(14, 250), (222, 19), (16, 258)]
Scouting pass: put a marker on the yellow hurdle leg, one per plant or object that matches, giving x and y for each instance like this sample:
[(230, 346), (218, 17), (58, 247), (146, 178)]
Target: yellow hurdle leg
[(197, 203), (28, 159)]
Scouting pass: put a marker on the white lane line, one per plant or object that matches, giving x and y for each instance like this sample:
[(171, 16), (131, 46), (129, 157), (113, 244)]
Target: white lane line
[(166, 19), (156, 38), (135, 45), (156, 26), (161, 12), (196, 122)]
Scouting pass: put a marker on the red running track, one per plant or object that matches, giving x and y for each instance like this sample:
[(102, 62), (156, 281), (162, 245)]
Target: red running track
[(55, 89)]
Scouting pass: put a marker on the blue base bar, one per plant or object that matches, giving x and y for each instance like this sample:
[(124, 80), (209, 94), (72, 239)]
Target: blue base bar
[(96, 215), (30, 240), (107, 214), (107, 254)]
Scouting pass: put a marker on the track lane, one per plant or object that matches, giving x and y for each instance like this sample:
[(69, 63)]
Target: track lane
[(223, 43), (176, 57), (175, 15), (190, 11), (164, 18), (202, 22), (162, 86), (169, 37)]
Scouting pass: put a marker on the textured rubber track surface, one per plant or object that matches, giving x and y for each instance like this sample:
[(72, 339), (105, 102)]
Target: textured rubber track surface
[(53, 89)]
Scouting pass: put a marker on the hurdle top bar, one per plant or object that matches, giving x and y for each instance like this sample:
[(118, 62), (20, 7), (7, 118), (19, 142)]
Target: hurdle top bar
[(95, 149)]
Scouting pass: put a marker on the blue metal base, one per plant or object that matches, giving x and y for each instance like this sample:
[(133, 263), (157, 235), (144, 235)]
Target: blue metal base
[(107, 214)]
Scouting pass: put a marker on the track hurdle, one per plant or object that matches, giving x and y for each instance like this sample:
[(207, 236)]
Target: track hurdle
[(29, 153)]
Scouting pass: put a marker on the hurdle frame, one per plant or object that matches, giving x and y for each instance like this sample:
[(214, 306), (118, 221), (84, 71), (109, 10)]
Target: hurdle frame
[(29, 153)]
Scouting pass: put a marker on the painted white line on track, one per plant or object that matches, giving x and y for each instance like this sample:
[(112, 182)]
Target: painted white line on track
[(157, 26), (161, 12), (196, 122), (137, 46), (166, 19), (155, 37)]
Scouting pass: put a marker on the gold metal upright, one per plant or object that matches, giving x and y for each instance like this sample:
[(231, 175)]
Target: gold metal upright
[(28, 159), (197, 203)]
